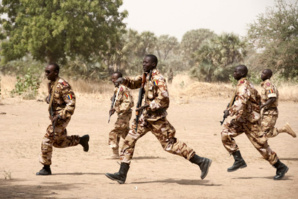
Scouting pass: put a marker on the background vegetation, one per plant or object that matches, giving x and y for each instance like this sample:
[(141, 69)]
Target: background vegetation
[(90, 41)]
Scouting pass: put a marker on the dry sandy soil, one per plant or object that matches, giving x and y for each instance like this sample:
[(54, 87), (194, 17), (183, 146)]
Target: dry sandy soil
[(154, 173)]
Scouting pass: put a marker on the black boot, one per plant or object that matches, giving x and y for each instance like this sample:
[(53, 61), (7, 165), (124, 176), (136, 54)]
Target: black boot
[(84, 142), (46, 170), (239, 162), (203, 163), (281, 170), (120, 176)]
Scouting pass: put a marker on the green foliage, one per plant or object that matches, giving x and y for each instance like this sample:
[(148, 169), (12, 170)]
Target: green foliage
[(77, 69), (275, 37), (21, 66), (192, 41), (60, 30), (216, 59), (27, 86)]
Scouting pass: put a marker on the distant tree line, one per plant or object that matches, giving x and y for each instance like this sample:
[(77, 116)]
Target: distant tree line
[(90, 41)]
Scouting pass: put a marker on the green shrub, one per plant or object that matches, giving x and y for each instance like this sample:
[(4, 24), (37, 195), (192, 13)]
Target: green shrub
[(27, 86)]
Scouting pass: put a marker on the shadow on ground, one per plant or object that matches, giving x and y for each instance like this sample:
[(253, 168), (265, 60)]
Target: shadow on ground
[(77, 174), (260, 177), (291, 159), (180, 181), (8, 189)]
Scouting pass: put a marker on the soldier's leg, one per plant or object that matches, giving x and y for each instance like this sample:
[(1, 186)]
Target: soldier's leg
[(62, 140), (267, 125), (121, 129), (132, 137), (45, 156), (233, 129), (165, 133), (128, 150), (259, 139)]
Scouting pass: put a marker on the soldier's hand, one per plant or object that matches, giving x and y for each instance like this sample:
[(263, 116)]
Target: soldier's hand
[(142, 107), (55, 118), (172, 140), (112, 111), (226, 113), (48, 99), (119, 80)]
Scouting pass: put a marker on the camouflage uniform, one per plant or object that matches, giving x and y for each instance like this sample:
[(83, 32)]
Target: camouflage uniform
[(247, 114), (153, 119), (123, 105), (269, 114), (63, 104)]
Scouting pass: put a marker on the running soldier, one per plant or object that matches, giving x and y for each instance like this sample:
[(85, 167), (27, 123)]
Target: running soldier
[(122, 102), (153, 118), (246, 109), (61, 102), (269, 99)]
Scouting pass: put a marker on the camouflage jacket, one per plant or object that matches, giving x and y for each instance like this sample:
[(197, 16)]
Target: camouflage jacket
[(64, 99), (156, 95), (246, 106), (269, 90), (123, 101)]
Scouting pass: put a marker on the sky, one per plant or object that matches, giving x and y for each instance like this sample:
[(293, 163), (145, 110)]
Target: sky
[(176, 17)]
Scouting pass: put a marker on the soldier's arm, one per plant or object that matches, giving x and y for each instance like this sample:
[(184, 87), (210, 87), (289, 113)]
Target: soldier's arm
[(271, 94), (70, 101), (268, 103), (132, 83), (162, 100)]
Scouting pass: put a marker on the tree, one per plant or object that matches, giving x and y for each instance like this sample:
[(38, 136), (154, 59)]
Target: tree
[(56, 30), (215, 57), (192, 41), (165, 45), (275, 36)]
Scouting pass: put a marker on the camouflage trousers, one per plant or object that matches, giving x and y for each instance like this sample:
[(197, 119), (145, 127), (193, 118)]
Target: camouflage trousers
[(59, 139), (120, 130), (163, 131), (255, 135), (268, 122)]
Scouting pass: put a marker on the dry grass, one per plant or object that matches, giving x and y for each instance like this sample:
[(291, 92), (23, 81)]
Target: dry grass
[(182, 90)]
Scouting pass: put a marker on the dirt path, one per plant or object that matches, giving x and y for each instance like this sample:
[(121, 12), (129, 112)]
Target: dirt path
[(154, 173)]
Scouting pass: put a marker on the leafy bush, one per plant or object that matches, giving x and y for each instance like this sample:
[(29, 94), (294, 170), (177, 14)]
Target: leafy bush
[(27, 86)]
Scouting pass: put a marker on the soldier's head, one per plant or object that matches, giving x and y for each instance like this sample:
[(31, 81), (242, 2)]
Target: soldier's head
[(114, 77), (240, 72), (266, 74), (149, 62), (52, 71)]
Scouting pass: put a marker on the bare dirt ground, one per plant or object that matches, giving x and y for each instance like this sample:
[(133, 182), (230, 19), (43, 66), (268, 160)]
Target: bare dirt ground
[(154, 173)]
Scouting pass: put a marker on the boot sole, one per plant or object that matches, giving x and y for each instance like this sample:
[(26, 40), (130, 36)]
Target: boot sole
[(38, 174), (283, 175), (111, 178), (290, 130), (209, 164), (243, 166)]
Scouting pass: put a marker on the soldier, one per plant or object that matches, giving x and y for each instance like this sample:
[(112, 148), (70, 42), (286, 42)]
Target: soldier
[(153, 118), (269, 99), (246, 110), (61, 102), (122, 104)]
